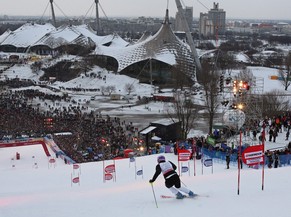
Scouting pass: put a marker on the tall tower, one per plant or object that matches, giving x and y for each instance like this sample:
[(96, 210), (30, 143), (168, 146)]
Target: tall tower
[(217, 16), (97, 17), (53, 13), (213, 22)]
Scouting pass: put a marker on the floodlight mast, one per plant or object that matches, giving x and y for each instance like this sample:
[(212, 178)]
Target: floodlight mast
[(189, 38)]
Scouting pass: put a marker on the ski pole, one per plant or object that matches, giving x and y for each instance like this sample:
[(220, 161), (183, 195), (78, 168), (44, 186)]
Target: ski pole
[(154, 195), (183, 183)]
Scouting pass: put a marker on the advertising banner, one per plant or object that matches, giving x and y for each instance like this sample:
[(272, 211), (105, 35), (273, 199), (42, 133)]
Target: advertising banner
[(253, 155), (184, 155)]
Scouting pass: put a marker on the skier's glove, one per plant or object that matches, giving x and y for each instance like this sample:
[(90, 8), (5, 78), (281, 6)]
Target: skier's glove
[(151, 181)]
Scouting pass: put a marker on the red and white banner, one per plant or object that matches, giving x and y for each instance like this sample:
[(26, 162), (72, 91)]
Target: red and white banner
[(76, 166), (184, 155), (75, 179), (108, 176), (110, 168), (109, 171), (253, 155)]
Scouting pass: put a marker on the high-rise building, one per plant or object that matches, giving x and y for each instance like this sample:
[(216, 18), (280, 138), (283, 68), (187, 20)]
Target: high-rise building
[(188, 13), (213, 22)]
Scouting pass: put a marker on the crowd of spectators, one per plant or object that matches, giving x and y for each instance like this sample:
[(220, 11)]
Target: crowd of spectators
[(267, 129), (92, 137)]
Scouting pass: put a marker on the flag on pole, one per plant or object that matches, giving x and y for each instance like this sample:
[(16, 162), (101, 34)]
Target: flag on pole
[(184, 155), (108, 176), (208, 162), (253, 155), (185, 169), (139, 172), (110, 168), (76, 180), (109, 171)]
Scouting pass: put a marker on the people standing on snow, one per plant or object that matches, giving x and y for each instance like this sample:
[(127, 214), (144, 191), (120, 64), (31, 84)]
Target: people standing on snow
[(276, 159), (271, 131), (262, 137), (275, 134), (287, 135), (270, 158), (227, 159), (172, 179), (239, 161), (255, 134)]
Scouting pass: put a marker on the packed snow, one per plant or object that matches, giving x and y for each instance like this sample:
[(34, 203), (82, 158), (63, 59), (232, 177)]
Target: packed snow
[(32, 186)]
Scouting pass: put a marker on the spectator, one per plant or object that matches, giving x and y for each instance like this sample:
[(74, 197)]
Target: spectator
[(276, 159), (227, 158), (275, 134), (254, 134), (287, 135), (271, 131)]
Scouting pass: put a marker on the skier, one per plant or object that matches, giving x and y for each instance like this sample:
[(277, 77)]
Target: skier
[(172, 180)]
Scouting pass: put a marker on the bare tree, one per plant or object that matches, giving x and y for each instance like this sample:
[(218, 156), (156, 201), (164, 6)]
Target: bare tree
[(110, 89), (129, 88), (246, 75), (248, 97), (210, 82), (274, 103), (224, 61), (285, 74), (107, 89), (184, 110)]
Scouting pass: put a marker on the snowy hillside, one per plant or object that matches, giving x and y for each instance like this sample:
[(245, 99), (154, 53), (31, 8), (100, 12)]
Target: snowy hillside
[(34, 187), (47, 190)]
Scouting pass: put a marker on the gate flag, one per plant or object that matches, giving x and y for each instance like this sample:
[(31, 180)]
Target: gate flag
[(184, 155), (185, 169), (253, 155), (208, 162)]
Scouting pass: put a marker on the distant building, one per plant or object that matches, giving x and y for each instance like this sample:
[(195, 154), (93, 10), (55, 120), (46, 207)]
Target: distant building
[(166, 129), (213, 22), (188, 13)]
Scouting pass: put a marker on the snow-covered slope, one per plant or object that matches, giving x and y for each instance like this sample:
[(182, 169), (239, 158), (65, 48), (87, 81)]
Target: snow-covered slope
[(48, 191)]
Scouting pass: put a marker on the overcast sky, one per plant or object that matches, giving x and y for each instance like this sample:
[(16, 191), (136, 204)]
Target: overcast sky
[(260, 9)]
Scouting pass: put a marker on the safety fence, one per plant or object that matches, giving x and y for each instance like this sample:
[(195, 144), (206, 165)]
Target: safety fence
[(220, 157)]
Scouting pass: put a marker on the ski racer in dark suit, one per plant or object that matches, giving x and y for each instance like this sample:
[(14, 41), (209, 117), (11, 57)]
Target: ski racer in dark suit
[(172, 179)]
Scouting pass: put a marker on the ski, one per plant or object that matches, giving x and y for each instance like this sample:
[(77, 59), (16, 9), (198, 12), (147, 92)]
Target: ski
[(185, 196)]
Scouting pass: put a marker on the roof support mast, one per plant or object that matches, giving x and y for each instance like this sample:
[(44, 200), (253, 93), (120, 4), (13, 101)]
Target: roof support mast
[(97, 17), (190, 39), (53, 13)]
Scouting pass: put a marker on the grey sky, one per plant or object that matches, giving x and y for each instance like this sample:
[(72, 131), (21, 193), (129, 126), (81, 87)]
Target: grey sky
[(259, 9)]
